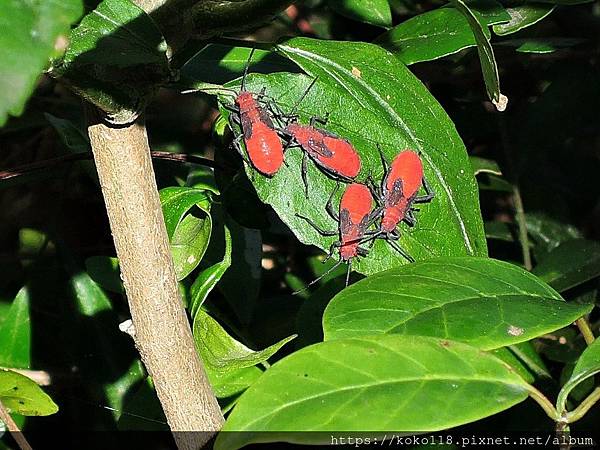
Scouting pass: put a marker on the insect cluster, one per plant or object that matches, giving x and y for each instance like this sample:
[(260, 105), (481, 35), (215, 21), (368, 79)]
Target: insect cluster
[(366, 211)]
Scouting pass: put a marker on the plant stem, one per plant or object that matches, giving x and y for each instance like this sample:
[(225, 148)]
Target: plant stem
[(162, 331), (516, 194), (13, 428), (584, 406), (543, 401), (585, 329)]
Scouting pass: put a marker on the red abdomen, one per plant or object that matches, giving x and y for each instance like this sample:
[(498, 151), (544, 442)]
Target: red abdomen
[(264, 149), (355, 207), (344, 160), (408, 168)]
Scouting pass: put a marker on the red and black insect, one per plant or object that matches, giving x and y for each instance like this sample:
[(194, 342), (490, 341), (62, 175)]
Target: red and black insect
[(397, 193), (335, 156), (354, 219), (263, 144)]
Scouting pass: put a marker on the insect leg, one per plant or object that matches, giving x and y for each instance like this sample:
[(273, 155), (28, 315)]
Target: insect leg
[(429, 193), (317, 227)]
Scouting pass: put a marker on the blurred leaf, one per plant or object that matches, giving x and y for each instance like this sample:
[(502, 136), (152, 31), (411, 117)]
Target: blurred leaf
[(22, 396), (115, 58), (31, 33), (565, 2), (222, 352), (587, 366), (523, 16), (366, 113), (498, 230), (486, 55), (188, 229), (243, 205), (570, 264), (562, 346), (105, 271), (483, 165), (530, 357), (540, 45), (142, 411), (15, 333), (71, 136), (438, 33), (480, 301), (581, 390), (32, 242), (489, 182), (227, 384), (375, 12), (208, 278), (548, 233), (218, 63), (418, 384)]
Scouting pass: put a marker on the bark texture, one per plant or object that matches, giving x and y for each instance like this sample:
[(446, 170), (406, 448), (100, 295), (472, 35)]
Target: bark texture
[(162, 332)]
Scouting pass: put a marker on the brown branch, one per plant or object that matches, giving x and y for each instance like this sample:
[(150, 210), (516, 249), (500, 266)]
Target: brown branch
[(162, 331), (14, 429)]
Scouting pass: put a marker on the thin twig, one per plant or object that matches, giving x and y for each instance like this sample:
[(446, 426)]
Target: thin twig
[(14, 429), (516, 194), (584, 406), (40, 165), (543, 401), (585, 329)]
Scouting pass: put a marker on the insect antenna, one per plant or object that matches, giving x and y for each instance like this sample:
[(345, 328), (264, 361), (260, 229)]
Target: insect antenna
[(302, 97), (331, 269), (243, 88)]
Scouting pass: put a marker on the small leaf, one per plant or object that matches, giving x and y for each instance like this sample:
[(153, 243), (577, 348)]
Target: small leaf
[(189, 229), (499, 230), (504, 354), (480, 301), (549, 233), (115, 58), (15, 333), (438, 33), (375, 12), (587, 366), (222, 352), (526, 352), (71, 136), (486, 55), (208, 278), (416, 383), (523, 16), (570, 264), (22, 396), (105, 271), (31, 33), (483, 165)]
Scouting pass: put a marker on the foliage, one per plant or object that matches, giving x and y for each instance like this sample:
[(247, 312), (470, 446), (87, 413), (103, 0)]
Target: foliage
[(507, 253)]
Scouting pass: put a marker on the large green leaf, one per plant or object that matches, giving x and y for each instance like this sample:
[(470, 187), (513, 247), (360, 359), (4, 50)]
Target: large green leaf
[(523, 16), (587, 366), (438, 33), (221, 351), (570, 264), (480, 301), (116, 57), (189, 226), (15, 333), (375, 12), (31, 33), (22, 396), (227, 384), (373, 99), (375, 383), (486, 55)]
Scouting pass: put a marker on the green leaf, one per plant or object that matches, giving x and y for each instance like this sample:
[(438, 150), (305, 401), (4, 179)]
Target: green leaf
[(549, 233), (523, 16), (480, 301), (22, 396), (375, 12), (15, 333), (438, 33), (71, 136), (116, 57), (105, 271), (369, 384), (570, 264), (31, 33), (566, 2), (208, 278), (222, 352), (380, 102), (483, 165), (499, 230), (587, 366), (227, 384), (486, 55), (217, 63), (526, 352), (189, 228), (504, 354)]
